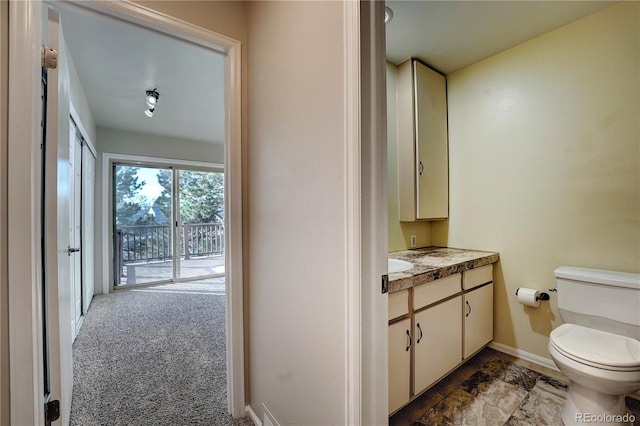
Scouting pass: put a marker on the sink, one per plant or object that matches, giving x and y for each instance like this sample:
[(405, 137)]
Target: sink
[(397, 265)]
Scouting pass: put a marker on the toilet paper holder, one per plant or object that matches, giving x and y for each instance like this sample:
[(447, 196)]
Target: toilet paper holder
[(541, 296), (546, 295)]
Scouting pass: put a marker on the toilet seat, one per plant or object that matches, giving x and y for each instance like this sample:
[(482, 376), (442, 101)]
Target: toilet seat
[(596, 348)]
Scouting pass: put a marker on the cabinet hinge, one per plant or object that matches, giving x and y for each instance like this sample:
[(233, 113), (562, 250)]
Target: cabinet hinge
[(51, 411), (49, 58), (385, 284)]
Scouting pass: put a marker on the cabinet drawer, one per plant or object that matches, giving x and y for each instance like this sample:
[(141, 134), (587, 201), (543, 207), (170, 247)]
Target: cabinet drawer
[(434, 291), (475, 277), (398, 304)]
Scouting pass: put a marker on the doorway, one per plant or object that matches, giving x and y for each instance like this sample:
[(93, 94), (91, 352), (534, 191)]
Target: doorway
[(167, 224), (26, 19)]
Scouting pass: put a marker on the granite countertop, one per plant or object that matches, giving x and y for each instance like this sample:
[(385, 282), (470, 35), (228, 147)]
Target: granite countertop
[(431, 263)]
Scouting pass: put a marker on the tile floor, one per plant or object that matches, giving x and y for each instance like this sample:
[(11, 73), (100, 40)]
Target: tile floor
[(493, 388)]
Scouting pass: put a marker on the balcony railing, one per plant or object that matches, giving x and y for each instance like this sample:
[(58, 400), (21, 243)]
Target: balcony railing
[(152, 243)]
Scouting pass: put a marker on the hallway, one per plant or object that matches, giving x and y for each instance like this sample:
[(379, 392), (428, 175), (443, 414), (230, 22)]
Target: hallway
[(154, 355)]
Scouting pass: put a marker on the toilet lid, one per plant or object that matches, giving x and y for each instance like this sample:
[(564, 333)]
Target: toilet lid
[(595, 346)]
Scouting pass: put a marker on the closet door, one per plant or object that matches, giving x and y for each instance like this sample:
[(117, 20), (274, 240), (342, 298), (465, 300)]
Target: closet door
[(75, 225), (88, 225)]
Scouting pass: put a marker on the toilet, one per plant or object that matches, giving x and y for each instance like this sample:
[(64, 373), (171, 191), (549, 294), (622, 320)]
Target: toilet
[(598, 346)]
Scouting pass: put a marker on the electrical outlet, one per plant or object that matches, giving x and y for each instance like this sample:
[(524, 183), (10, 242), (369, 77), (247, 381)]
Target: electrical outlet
[(413, 241)]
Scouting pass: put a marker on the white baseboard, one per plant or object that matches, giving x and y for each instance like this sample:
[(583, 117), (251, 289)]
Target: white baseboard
[(528, 356), (254, 417), (269, 419)]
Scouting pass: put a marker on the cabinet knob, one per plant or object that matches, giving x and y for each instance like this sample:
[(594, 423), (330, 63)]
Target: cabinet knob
[(468, 309), (409, 345), (420, 330), (420, 168)]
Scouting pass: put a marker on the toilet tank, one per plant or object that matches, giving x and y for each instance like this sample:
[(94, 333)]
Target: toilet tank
[(599, 299)]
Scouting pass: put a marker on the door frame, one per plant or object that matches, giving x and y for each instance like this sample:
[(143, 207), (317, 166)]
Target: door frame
[(366, 325), (25, 347), (24, 137)]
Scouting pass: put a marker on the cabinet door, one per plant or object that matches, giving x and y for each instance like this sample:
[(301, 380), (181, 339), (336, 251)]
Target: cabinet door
[(438, 347), (478, 319), (423, 155), (400, 342), (431, 143)]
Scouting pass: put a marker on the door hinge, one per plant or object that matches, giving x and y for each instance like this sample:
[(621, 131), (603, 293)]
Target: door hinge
[(385, 284), (51, 411), (49, 58)]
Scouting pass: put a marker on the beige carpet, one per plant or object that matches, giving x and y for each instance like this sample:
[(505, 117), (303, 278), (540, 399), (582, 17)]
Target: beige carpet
[(153, 357)]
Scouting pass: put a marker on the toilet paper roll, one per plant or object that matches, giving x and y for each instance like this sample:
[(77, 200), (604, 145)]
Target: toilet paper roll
[(528, 296)]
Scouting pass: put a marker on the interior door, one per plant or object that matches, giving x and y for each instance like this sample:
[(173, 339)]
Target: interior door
[(75, 224), (58, 291), (46, 379)]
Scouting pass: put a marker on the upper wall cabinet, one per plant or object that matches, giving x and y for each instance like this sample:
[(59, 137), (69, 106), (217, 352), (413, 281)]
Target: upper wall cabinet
[(423, 160)]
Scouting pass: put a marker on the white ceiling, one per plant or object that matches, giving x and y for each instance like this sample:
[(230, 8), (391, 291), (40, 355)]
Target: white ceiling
[(118, 62), (450, 35)]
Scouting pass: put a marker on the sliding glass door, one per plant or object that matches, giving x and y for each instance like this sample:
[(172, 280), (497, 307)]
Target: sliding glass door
[(168, 224), (142, 223), (201, 207)]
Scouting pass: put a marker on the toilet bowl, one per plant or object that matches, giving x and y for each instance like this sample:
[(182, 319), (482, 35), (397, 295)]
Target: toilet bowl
[(597, 348), (602, 368)]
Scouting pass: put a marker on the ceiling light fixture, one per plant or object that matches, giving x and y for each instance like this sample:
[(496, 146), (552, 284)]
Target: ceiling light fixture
[(388, 14), (152, 100)]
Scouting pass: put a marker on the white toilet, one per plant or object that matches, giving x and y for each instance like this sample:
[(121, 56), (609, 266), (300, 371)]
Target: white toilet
[(598, 346)]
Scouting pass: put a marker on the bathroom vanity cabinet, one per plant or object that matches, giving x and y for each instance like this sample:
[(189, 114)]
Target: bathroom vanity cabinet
[(434, 327), (422, 143)]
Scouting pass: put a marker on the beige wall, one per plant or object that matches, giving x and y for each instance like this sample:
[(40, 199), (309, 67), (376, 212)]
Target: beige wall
[(296, 207), (79, 100), (130, 143), (228, 18), (4, 311), (399, 232), (544, 166)]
